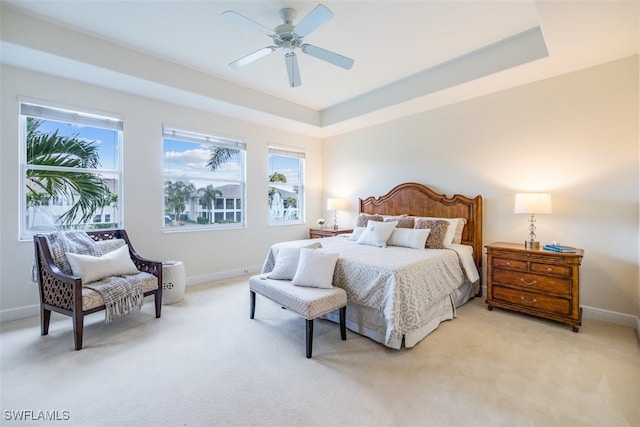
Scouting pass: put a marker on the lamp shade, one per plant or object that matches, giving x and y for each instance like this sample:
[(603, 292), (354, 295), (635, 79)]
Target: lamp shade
[(337, 204), (533, 203)]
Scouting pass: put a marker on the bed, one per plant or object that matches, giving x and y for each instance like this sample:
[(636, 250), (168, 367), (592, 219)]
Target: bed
[(398, 295)]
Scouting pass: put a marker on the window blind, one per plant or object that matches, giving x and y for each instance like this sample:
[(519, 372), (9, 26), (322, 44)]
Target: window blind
[(66, 116), (199, 138), (290, 152)]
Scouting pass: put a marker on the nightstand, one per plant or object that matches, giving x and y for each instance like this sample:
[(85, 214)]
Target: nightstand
[(536, 282), (318, 233)]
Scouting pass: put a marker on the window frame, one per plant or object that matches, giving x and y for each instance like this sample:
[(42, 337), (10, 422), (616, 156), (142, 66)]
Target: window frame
[(219, 209), (75, 116), (291, 152)]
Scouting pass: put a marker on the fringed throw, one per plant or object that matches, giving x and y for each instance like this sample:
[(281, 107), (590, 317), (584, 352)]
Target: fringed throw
[(121, 294)]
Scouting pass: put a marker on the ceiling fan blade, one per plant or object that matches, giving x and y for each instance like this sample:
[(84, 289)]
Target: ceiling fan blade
[(236, 17), (318, 16), (327, 55), (252, 57), (292, 69)]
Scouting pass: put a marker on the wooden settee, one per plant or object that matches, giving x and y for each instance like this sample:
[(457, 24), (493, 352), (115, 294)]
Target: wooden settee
[(65, 294)]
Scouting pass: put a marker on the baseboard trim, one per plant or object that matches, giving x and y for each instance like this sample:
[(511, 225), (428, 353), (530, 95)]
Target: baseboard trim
[(614, 317), (19, 313), (222, 275)]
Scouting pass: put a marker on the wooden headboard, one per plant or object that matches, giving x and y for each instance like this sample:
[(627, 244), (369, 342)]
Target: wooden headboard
[(419, 200)]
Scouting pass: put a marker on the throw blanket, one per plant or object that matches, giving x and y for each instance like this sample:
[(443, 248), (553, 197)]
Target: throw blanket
[(121, 294)]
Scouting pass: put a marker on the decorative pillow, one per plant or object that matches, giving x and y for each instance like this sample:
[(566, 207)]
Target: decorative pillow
[(409, 238), (403, 221), (457, 238), (287, 261), (437, 234), (363, 219), (377, 233), (315, 269), (92, 268), (357, 232), (110, 245)]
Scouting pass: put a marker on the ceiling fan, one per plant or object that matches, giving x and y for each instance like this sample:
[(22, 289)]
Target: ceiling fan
[(289, 37)]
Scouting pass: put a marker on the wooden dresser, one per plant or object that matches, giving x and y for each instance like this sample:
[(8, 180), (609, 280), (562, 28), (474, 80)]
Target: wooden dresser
[(537, 282), (318, 233)]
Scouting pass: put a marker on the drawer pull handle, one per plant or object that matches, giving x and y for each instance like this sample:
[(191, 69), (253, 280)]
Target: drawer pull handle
[(509, 263), (549, 268), (531, 283), (529, 301)]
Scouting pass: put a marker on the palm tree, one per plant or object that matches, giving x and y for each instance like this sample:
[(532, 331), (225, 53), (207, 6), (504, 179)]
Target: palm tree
[(177, 193), (208, 199), (34, 200), (220, 156), (86, 190), (275, 177)]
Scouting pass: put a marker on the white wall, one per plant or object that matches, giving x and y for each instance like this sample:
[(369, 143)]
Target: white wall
[(575, 136), (206, 254)]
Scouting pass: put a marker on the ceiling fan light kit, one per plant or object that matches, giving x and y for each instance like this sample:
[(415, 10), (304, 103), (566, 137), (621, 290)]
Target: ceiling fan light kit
[(289, 37)]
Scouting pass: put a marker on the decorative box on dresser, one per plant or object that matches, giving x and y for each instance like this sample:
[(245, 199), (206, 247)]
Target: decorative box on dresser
[(318, 233), (535, 281)]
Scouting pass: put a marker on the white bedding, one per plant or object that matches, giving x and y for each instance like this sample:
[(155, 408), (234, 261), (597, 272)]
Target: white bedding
[(397, 293)]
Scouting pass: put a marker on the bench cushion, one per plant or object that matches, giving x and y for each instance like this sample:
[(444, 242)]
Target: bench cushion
[(92, 299), (307, 302)]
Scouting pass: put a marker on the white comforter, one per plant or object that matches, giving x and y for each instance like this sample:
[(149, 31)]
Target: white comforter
[(400, 283)]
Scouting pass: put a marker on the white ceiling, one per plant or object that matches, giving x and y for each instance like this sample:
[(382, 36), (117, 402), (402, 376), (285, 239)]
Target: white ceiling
[(409, 55)]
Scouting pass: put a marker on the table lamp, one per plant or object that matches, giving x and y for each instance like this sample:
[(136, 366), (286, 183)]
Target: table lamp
[(334, 205), (532, 203)]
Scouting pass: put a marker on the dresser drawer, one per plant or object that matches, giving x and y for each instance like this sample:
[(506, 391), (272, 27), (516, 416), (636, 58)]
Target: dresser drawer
[(534, 282), (509, 263), (532, 300), (558, 270)]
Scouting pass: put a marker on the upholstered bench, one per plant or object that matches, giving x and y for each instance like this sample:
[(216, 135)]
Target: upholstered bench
[(308, 302)]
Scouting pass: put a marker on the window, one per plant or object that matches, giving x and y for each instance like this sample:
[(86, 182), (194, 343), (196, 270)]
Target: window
[(286, 186), (204, 181), (71, 172)]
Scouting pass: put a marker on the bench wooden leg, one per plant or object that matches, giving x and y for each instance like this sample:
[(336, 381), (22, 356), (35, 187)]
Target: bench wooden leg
[(309, 337), (343, 323), (78, 328), (45, 318), (252, 305)]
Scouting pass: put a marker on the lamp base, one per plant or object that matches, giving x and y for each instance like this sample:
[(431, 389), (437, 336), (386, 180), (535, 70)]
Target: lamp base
[(530, 244)]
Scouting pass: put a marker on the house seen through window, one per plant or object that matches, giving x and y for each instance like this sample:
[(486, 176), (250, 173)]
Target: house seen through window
[(71, 173), (286, 186), (204, 180)]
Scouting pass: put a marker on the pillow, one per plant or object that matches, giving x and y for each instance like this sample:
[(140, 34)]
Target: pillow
[(457, 238), (403, 221), (357, 232), (92, 268), (377, 233), (437, 234), (409, 238), (287, 261), (455, 226), (110, 245), (363, 219), (454, 231), (315, 269)]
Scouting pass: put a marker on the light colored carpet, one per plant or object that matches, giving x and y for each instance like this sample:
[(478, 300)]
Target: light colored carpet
[(206, 363)]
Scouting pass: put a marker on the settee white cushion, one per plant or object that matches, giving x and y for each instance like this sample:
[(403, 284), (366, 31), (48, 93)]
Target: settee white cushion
[(92, 268)]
